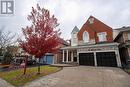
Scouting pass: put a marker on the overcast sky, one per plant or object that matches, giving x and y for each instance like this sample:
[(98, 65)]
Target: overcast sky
[(70, 13)]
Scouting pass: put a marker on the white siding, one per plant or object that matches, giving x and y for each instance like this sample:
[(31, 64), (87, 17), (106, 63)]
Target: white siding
[(74, 39)]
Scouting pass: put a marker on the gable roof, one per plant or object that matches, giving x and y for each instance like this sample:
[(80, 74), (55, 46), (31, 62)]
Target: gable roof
[(64, 42), (121, 30), (75, 30), (96, 26)]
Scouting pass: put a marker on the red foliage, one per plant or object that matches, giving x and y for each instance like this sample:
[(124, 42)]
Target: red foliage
[(41, 37)]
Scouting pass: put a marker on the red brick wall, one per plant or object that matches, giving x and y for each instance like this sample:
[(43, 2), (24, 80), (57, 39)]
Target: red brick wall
[(58, 56), (95, 28)]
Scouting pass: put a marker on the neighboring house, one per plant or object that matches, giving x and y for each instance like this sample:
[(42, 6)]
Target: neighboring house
[(58, 56), (50, 58), (53, 58), (8, 53), (20, 55), (123, 37), (92, 45)]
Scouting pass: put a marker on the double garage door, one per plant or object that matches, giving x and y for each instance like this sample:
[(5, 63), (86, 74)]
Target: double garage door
[(102, 58)]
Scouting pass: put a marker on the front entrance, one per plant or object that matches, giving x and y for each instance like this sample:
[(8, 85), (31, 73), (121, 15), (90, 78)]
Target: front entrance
[(106, 59), (86, 59)]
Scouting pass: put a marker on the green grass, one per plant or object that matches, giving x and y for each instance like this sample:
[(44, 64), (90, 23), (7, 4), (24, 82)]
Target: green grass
[(17, 78), (128, 70)]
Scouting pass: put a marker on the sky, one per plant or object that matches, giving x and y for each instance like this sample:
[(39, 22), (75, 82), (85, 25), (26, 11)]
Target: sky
[(70, 13)]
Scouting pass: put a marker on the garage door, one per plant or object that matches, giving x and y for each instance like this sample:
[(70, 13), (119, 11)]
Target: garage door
[(86, 59), (47, 59), (106, 59)]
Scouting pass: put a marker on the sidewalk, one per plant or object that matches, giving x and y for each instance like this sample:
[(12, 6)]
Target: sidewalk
[(3, 83)]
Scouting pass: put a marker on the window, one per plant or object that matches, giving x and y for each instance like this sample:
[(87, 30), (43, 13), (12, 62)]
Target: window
[(74, 35), (102, 36), (85, 37), (128, 36), (74, 39), (91, 20)]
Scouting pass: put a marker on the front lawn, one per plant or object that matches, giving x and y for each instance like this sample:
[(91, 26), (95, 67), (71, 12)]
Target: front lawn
[(128, 71), (17, 78)]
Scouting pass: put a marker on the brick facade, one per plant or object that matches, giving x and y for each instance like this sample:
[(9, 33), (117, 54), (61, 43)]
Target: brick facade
[(94, 28)]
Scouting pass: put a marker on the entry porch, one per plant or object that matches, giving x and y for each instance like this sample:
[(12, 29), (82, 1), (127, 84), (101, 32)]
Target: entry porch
[(105, 54)]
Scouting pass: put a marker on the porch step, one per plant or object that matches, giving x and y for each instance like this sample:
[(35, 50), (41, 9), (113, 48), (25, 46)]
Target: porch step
[(66, 64), (71, 63), (62, 65)]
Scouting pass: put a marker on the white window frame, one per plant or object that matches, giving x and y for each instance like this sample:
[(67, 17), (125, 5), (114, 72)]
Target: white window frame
[(85, 37), (102, 36)]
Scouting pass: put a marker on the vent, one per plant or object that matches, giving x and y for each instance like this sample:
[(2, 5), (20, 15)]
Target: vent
[(91, 20)]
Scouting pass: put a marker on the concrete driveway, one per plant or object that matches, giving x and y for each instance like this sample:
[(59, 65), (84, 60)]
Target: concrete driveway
[(84, 76)]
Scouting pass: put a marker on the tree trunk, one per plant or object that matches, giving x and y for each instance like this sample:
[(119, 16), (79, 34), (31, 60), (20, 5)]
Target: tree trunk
[(26, 59), (39, 67)]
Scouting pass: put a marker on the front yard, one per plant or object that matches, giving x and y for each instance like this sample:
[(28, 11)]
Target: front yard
[(17, 78), (127, 70)]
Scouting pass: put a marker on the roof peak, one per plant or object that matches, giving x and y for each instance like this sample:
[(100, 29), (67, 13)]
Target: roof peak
[(75, 29), (91, 16)]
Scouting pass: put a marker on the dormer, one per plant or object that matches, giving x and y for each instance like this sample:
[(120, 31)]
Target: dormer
[(74, 39)]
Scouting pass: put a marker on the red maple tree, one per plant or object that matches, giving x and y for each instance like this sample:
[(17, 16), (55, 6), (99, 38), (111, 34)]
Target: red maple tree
[(42, 36)]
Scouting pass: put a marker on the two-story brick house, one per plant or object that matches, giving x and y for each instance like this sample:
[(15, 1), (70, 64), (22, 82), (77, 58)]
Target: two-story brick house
[(123, 37), (92, 45)]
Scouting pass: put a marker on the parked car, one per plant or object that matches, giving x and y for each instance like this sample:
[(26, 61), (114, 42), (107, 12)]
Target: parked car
[(19, 60), (31, 62)]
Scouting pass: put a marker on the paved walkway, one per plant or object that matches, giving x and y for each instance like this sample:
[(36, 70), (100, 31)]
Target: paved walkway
[(3, 83), (84, 76)]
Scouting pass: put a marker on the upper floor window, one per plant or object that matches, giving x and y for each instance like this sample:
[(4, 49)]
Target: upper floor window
[(102, 36), (85, 37), (74, 35), (128, 36)]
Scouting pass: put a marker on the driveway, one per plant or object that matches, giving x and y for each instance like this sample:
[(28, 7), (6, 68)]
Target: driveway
[(84, 76)]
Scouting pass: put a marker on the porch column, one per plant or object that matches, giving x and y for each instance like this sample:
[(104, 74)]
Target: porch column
[(77, 57), (118, 58), (128, 49), (63, 58), (72, 56), (95, 59), (67, 56)]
